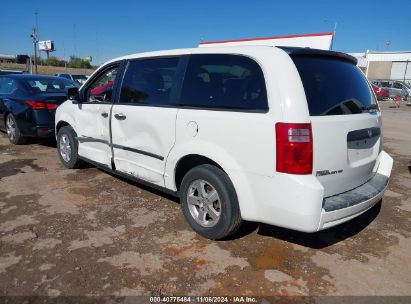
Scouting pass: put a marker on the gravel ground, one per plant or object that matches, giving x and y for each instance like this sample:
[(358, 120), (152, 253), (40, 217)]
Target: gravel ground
[(85, 232)]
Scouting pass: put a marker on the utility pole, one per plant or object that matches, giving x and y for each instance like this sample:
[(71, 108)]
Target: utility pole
[(34, 38)]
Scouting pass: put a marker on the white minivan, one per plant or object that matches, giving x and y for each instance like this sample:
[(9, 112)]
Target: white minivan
[(284, 136)]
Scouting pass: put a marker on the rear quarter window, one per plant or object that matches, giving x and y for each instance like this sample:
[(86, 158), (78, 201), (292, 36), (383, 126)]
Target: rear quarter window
[(333, 86), (221, 81)]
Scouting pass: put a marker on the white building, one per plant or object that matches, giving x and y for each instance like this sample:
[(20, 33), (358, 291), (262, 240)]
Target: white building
[(4, 58), (385, 65)]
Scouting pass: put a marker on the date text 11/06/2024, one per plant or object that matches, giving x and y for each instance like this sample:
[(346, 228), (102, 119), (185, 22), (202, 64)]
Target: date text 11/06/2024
[(202, 299)]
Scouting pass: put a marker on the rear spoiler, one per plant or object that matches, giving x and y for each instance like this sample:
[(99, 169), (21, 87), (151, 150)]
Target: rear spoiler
[(316, 52)]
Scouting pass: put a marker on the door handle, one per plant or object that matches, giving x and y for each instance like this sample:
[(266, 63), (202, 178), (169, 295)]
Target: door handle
[(120, 116), (105, 115)]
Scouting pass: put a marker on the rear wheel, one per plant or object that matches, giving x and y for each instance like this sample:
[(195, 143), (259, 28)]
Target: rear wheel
[(209, 202), (68, 148), (13, 131)]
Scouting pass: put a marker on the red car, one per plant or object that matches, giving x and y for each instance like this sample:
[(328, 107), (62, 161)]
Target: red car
[(382, 93)]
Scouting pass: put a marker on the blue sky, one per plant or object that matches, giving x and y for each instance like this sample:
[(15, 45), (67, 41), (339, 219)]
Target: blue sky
[(107, 29)]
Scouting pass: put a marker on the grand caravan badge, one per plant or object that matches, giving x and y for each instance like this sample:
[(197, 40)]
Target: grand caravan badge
[(328, 172)]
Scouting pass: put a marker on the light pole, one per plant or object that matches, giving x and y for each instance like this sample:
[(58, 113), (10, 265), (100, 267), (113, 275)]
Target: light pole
[(388, 43)]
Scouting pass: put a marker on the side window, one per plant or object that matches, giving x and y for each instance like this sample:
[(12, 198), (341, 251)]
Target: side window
[(101, 89), (224, 81), (149, 81), (397, 85)]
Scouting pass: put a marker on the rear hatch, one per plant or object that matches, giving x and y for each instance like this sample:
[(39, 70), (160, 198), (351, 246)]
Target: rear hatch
[(345, 120)]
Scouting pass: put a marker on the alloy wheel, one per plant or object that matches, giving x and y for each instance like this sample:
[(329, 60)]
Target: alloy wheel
[(65, 148), (204, 203), (11, 128)]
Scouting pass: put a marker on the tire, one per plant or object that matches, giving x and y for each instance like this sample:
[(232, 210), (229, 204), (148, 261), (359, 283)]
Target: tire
[(67, 148), (214, 215), (13, 131)]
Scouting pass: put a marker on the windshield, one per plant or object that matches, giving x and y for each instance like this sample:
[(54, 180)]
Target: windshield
[(49, 85), (80, 77), (333, 86)]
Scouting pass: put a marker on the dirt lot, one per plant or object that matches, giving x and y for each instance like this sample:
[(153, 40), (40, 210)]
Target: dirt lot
[(85, 232)]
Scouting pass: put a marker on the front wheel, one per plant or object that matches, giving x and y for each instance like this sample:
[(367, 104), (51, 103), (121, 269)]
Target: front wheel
[(209, 202), (13, 131), (68, 148)]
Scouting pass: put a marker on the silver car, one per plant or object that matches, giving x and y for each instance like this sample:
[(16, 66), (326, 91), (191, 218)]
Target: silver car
[(395, 88)]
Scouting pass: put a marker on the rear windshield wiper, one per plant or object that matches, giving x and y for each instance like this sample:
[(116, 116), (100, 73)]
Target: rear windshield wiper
[(371, 108)]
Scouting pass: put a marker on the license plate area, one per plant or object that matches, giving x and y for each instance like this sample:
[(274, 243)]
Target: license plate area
[(363, 145)]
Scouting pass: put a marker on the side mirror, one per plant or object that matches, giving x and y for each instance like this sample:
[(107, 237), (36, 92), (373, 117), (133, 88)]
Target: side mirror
[(73, 94)]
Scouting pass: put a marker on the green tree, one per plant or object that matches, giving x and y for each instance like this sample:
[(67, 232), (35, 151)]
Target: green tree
[(76, 62), (54, 61)]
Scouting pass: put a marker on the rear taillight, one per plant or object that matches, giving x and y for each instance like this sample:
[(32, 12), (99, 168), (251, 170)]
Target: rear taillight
[(294, 148), (39, 105)]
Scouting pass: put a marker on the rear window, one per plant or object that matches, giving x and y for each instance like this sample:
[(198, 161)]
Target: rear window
[(80, 78), (52, 85), (221, 81), (333, 86)]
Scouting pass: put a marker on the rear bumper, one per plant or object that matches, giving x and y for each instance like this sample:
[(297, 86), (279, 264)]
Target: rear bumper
[(345, 206), (45, 131), (36, 123), (298, 203), (38, 130)]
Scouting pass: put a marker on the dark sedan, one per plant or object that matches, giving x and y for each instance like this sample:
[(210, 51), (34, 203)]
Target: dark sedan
[(28, 104)]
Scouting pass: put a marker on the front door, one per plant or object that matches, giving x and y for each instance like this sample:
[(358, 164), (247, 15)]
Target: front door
[(93, 118), (143, 121)]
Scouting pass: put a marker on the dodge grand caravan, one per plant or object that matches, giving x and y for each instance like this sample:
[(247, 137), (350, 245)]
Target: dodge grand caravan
[(284, 136)]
